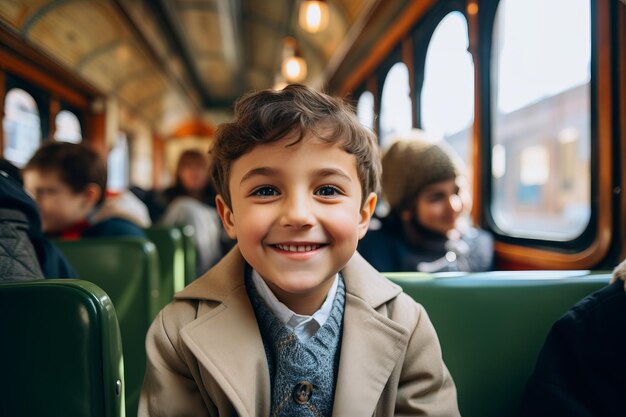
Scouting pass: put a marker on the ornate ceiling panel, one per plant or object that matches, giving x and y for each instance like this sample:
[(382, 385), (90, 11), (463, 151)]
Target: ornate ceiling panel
[(173, 57)]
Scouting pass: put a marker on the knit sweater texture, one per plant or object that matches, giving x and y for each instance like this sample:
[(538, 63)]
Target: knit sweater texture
[(302, 373)]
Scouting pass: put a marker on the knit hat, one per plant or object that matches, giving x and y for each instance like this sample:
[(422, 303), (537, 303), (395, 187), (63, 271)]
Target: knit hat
[(411, 165)]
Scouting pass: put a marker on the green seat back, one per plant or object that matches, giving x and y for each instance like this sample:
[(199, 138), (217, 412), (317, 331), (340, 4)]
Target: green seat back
[(189, 247), (169, 244), (127, 269), (61, 352), (492, 325)]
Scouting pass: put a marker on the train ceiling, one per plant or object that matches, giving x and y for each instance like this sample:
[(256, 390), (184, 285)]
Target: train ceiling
[(177, 58)]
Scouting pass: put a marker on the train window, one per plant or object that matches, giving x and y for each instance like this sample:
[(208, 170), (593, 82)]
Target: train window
[(365, 109), (21, 125), (118, 166), (396, 107), (447, 98), (67, 127), (541, 118)]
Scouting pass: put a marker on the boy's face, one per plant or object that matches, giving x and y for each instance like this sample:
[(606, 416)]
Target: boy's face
[(60, 207), (297, 216), (438, 206), (194, 176)]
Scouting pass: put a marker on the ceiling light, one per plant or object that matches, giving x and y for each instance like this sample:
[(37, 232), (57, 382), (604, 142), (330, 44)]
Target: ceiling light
[(293, 68), (313, 16)]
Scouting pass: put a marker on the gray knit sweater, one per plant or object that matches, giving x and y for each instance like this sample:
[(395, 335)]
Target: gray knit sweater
[(302, 373)]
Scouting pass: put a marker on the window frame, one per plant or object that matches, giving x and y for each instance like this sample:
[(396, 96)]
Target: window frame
[(421, 36), (593, 244), (394, 57)]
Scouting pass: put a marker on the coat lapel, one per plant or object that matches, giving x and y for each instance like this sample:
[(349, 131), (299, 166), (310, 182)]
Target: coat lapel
[(372, 344), (226, 339)]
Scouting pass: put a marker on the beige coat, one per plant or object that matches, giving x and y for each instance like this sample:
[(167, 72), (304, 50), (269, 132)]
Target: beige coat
[(206, 355)]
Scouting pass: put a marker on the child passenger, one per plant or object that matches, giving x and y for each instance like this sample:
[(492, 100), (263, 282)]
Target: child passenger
[(68, 182), (426, 229), (293, 322)]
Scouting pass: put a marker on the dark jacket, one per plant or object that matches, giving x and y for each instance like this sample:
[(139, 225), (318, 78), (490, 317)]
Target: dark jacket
[(388, 250), (581, 370), (21, 237)]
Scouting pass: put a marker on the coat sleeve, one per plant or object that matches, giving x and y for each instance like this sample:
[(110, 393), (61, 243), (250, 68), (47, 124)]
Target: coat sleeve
[(169, 388), (425, 387)]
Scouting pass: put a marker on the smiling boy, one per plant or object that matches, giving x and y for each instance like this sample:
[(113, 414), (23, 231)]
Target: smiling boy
[(293, 322)]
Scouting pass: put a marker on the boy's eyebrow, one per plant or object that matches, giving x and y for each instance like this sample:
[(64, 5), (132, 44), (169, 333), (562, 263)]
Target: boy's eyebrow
[(265, 171), (327, 172)]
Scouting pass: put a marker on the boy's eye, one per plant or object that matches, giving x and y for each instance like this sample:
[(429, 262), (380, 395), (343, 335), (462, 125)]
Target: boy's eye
[(265, 192), (327, 191), (436, 197)]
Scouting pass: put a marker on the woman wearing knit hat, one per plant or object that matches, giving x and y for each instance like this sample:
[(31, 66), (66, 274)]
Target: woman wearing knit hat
[(424, 230)]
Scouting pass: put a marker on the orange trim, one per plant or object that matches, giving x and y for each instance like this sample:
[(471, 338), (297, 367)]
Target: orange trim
[(2, 95), (407, 58), (193, 128), (19, 58), (54, 108), (399, 28), (621, 45), (597, 251), (95, 132), (158, 161), (476, 157)]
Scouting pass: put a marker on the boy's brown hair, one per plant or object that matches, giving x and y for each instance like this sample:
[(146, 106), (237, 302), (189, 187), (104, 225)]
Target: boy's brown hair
[(76, 164), (268, 116)]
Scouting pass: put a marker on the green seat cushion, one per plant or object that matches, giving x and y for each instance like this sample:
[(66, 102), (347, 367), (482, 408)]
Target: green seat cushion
[(492, 325)]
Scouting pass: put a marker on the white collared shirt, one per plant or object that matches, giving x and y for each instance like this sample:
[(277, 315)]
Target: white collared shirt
[(304, 327)]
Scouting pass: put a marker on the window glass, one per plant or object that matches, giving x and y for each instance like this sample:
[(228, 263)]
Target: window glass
[(21, 125), (396, 108), (118, 165), (67, 127), (447, 101), (541, 118), (365, 109)]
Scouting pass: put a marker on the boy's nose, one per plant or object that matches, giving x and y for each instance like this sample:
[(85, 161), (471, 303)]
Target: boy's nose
[(456, 204), (296, 212)]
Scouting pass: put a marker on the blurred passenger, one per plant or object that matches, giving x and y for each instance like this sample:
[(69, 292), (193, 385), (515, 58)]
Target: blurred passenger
[(68, 182), (427, 228), (581, 369), (191, 201), (25, 253), (192, 178)]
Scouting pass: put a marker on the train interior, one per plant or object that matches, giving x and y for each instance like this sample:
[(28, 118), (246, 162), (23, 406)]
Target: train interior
[(141, 81)]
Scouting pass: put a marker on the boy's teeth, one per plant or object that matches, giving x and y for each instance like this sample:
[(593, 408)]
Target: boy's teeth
[(297, 248)]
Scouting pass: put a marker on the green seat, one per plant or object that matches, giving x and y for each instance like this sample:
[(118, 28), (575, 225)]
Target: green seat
[(492, 325), (127, 269), (61, 352), (189, 247), (169, 244)]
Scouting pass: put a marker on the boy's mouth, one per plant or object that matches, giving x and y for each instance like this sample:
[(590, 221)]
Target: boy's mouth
[(298, 248)]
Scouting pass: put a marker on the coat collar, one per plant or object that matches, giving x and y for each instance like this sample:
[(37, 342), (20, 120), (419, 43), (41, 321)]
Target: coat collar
[(361, 280), (236, 360)]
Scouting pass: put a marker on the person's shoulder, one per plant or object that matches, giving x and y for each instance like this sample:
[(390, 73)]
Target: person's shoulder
[(476, 234), (178, 313), (601, 304), (114, 227), (380, 293)]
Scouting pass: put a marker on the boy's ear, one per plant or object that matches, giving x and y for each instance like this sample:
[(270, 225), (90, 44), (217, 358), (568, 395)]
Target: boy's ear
[(92, 193), (367, 211), (227, 217)]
